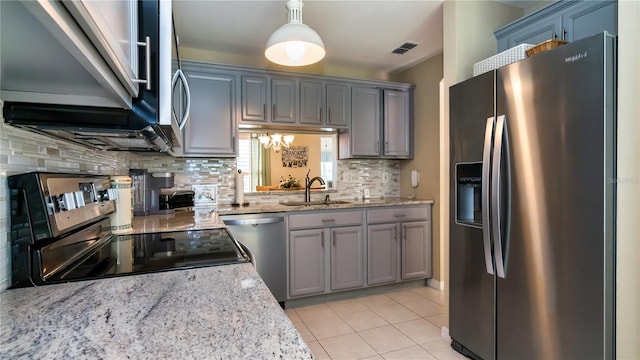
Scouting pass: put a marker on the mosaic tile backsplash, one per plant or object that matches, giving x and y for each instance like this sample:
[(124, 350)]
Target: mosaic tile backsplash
[(22, 151)]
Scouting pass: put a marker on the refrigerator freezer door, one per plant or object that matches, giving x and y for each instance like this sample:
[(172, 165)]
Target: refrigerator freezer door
[(471, 299), (556, 300)]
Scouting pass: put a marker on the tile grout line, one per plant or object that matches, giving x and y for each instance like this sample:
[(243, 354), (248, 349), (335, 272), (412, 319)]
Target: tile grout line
[(393, 325)]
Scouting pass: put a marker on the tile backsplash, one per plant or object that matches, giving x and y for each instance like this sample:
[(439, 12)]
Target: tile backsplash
[(22, 151)]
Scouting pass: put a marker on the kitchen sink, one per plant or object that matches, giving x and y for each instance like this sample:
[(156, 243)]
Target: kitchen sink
[(312, 203)]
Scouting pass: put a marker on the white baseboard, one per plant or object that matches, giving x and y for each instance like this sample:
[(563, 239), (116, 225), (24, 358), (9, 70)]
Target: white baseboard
[(436, 284), (444, 333)]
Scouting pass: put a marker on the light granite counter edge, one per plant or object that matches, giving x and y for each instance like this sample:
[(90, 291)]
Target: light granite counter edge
[(218, 312)]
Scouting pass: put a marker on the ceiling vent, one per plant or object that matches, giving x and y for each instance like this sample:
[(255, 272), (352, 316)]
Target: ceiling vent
[(404, 48)]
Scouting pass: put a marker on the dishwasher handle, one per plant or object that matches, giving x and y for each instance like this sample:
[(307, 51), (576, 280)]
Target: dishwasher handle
[(254, 221)]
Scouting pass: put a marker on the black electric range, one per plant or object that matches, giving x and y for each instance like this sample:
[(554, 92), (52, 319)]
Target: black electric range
[(60, 233)]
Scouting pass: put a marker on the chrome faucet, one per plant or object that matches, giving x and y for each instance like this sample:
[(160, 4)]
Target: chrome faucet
[(307, 185)]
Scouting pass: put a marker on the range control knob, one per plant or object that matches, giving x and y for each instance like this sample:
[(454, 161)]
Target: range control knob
[(66, 201)]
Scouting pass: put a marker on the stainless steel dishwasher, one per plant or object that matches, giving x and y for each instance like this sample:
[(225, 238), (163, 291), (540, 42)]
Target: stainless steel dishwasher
[(264, 235)]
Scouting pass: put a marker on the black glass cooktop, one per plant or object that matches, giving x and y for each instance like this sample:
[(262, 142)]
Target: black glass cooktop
[(145, 253)]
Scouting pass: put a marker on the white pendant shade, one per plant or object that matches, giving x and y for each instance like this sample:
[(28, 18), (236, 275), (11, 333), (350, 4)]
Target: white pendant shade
[(294, 43)]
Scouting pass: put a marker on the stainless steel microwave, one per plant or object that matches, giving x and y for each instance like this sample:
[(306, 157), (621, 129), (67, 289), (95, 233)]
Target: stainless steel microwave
[(148, 123)]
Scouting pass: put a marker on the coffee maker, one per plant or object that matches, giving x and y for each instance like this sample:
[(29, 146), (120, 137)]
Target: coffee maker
[(147, 189)]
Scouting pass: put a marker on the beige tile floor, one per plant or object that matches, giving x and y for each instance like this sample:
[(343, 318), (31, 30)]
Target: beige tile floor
[(404, 324)]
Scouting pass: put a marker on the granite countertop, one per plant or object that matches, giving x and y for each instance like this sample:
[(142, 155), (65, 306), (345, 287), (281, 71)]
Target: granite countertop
[(193, 219), (209, 217), (220, 312), (350, 204)]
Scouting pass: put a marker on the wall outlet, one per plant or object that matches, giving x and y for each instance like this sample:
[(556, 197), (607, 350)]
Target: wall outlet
[(365, 193), (385, 177)]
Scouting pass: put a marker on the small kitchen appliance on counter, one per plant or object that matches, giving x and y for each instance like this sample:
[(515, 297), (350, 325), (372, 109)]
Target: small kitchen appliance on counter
[(176, 199), (60, 232), (148, 190)]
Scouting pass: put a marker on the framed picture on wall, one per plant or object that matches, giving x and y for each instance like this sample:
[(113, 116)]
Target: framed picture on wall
[(295, 156)]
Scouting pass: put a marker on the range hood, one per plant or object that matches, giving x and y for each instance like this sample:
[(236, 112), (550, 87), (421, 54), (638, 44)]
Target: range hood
[(101, 128)]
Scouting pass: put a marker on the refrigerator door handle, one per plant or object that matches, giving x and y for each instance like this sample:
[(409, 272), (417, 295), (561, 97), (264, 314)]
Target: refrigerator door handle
[(486, 173), (495, 195)]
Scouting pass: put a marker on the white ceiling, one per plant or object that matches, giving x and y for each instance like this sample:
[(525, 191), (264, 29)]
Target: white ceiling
[(355, 32)]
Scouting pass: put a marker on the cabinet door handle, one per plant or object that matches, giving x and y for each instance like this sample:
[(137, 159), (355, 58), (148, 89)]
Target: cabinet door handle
[(564, 34), (328, 115), (320, 115), (555, 36), (322, 239), (147, 63), (399, 215), (328, 220), (273, 112), (264, 111)]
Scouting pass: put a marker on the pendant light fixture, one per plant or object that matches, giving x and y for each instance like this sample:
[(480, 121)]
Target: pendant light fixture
[(294, 43)]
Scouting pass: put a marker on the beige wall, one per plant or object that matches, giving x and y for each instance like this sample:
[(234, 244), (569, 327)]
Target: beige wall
[(312, 142), (468, 38), (628, 183), (355, 72), (426, 76)]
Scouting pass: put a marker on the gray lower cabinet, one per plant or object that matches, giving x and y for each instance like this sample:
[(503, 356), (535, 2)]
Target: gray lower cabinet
[(416, 250), (306, 262), (346, 258), (325, 247), (211, 129), (382, 250), (398, 244)]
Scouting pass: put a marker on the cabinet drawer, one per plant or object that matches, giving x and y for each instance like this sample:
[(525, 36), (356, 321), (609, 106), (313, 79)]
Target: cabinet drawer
[(397, 214), (325, 219)]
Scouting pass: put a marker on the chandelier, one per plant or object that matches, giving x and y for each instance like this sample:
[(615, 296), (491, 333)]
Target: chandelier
[(276, 141)]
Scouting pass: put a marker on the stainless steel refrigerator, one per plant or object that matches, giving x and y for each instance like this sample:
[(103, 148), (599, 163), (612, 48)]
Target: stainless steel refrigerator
[(532, 207)]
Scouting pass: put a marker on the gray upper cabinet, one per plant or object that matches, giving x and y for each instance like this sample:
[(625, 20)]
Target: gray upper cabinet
[(254, 98), (284, 100), (381, 124), (397, 124), (365, 121), (545, 29), (563, 20), (267, 99), (590, 17), (311, 102), (211, 130), (338, 105)]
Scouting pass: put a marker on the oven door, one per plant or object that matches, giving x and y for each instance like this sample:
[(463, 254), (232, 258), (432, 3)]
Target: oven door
[(84, 254)]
